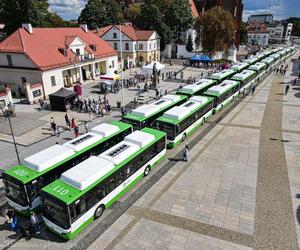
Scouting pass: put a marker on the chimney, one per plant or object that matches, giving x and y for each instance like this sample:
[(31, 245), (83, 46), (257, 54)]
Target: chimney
[(28, 27), (84, 27)]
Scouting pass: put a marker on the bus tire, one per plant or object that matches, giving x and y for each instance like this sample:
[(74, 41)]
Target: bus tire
[(147, 171), (99, 211), (183, 137), (203, 121), (222, 106)]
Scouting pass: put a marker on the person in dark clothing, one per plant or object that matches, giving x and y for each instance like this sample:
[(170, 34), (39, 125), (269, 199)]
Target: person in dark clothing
[(287, 87), (68, 124)]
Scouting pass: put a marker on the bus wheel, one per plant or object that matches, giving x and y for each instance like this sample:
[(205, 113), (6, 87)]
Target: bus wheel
[(183, 137), (147, 171), (221, 107), (203, 121), (99, 211)]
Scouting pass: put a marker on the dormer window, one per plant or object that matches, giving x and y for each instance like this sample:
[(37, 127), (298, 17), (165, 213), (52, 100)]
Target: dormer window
[(9, 60), (93, 47), (63, 51), (114, 35), (78, 52)]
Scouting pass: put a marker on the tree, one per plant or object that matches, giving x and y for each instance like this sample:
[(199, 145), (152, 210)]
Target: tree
[(189, 44), (132, 12), (216, 29), (99, 13), (244, 33), (13, 13)]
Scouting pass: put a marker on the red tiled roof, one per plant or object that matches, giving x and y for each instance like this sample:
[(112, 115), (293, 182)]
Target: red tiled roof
[(194, 9), (42, 45), (128, 30)]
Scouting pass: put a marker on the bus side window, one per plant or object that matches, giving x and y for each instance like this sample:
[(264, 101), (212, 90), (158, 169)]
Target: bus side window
[(110, 185), (78, 209), (100, 191)]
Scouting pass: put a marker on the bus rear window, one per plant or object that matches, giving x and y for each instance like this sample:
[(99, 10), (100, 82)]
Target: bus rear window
[(15, 191), (166, 127)]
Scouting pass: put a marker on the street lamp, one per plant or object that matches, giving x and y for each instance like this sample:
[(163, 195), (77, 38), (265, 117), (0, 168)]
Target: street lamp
[(121, 51), (13, 136)]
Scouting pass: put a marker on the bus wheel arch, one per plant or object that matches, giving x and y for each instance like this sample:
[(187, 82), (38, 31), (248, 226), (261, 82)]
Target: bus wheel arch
[(147, 170), (222, 106), (99, 211)]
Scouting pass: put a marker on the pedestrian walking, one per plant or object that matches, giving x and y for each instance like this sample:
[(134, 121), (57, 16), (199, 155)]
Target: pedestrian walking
[(86, 127), (252, 89), (73, 124), (161, 93), (51, 121), (186, 153), (54, 127), (91, 115), (295, 81), (68, 125), (35, 222), (287, 87), (11, 219), (156, 93), (166, 91), (76, 132), (181, 75)]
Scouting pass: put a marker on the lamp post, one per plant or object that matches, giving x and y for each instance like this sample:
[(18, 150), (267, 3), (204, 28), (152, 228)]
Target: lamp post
[(121, 51), (13, 136)]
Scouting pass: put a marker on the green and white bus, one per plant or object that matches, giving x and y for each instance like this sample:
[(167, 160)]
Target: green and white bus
[(270, 61), (24, 182), (83, 192), (196, 88), (260, 68), (251, 60), (223, 75), (240, 67), (223, 94), (277, 59), (145, 115), (181, 121), (246, 78)]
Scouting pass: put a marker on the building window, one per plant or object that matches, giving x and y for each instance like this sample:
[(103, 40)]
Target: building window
[(113, 63), (9, 60), (126, 46), (140, 46), (135, 46), (114, 35), (53, 81), (115, 46), (154, 45), (150, 47), (78, 52)]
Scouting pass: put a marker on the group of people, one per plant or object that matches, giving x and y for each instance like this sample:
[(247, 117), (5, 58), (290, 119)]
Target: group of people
[(281, 70), (28, 230), (87, 105)]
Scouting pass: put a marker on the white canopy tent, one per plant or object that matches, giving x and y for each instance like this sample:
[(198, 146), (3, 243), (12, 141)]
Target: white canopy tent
[(147, 69), (109, 79)]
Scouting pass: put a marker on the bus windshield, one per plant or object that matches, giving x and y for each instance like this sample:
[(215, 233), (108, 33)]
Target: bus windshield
[(166, 127), (56, 212), (15, 191), (136, 124)]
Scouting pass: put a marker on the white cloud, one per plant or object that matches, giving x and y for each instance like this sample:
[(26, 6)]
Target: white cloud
[(67, 9)]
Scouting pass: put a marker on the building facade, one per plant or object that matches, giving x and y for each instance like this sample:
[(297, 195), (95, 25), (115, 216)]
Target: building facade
[(235, 7), (36, 62), (138, 46), (280, 32), (260, 38)]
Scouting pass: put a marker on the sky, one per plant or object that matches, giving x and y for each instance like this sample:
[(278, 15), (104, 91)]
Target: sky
[(281, 9)]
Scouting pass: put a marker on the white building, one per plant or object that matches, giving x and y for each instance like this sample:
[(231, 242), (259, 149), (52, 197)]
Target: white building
[(138, 46), (260, 38), (280, 33), (39, 61)]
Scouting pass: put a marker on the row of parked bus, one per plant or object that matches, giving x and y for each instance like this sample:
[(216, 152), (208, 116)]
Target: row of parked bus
[(73, 183)]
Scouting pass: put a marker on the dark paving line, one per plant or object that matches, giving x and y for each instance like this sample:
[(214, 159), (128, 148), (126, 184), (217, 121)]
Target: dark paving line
[(239, 125), (192, 226), (274, 226)]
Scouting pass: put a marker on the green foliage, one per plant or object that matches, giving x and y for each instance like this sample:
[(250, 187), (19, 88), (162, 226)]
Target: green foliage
[(296, 25), (244, 33), (99, 13), (216, 29), (189, 44), (132, 12), (167, 17), (15, 12)]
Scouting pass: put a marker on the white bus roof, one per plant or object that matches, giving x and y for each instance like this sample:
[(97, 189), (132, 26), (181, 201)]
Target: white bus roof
[(251, 60), (268, 60), (87, 172), (239, 66), (204, 82), (179, 112), (222, 74), (172, 98), (120, 152), (140, 138), (243, 75), (276, 55), (83, 141), (200, 99), (192, 88), (48, 157), (257, 66), (145, 110), (223, 87), (105, 129)]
